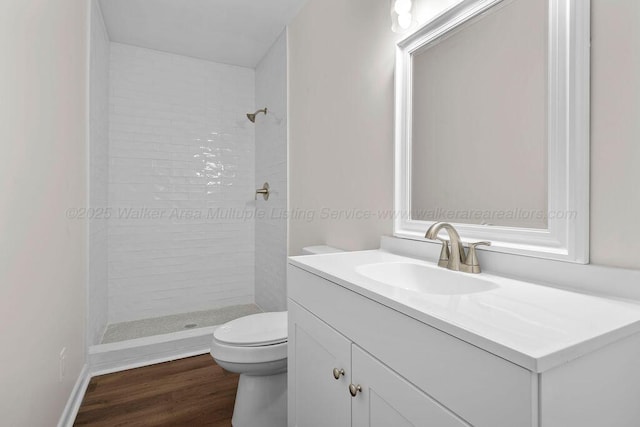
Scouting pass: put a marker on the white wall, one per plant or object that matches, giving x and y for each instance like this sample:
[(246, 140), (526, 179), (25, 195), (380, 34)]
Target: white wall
[(43, 132), (180, 144), (271, 166), (98, 177), (341, 142)]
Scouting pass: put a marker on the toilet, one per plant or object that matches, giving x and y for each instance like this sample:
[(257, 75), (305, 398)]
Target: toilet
[(255, 347)]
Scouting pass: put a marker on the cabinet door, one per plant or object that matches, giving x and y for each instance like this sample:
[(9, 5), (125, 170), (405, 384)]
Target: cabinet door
[(386, 399), (316, 398)]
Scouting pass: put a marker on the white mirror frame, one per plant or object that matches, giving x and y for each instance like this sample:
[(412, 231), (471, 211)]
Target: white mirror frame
[(568, 135)]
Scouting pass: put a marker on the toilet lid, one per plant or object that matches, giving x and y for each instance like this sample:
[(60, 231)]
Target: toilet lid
[(254, 330)]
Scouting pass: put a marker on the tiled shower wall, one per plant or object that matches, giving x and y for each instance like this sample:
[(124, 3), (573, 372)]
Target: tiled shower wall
[(181, 184), (271, 166), (98, 176)]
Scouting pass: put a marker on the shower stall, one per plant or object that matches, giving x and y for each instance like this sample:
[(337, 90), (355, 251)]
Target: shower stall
[(179, 242)]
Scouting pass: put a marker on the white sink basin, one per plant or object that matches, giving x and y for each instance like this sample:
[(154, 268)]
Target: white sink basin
[(425, 279)]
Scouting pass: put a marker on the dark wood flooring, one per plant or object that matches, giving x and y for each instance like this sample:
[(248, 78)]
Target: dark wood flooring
[(186, 392)]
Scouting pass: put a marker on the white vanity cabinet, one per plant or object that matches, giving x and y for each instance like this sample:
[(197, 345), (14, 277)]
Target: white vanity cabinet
[(403, 360), (315, 350), (410, 373), (326, 368), (385, 399)]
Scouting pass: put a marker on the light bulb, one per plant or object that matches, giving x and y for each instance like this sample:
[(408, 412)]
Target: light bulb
[(404, 20), (402, 7)]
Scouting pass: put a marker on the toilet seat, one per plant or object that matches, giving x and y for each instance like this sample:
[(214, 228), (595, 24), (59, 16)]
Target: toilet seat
[(256, 330), (258, 338), (260, 354)]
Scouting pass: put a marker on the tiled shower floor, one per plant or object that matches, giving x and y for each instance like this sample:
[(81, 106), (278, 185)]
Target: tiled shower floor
[(175, 323)]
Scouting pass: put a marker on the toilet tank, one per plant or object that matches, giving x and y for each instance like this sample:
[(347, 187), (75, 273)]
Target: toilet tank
[(320, 249)]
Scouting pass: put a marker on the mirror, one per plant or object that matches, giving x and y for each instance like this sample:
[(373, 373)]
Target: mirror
[(493, 133), (492, 122)]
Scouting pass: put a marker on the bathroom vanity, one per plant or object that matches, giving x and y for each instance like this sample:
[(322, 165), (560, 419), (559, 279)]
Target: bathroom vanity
[(378, 339)]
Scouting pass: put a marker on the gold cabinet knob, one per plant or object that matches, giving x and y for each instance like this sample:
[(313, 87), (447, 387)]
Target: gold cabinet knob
[(337, 373), (354, 389)]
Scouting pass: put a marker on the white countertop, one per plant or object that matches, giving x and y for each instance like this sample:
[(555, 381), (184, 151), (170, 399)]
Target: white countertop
[(537, 327)]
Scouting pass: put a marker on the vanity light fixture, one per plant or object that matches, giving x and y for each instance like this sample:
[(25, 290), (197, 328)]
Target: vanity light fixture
[(401, 16)]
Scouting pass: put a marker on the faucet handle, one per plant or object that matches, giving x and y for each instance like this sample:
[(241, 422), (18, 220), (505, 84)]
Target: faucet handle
[(483, 243), (444, 252), (473, 266)]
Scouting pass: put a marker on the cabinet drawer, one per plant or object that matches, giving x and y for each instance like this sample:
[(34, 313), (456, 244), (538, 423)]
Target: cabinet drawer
[(483, 389)]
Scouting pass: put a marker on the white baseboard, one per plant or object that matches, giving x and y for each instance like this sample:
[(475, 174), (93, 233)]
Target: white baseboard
[(75, 399), (123, 355), (120, 356)]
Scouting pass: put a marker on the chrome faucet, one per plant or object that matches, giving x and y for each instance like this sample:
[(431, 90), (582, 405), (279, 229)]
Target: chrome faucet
[(455, 258)]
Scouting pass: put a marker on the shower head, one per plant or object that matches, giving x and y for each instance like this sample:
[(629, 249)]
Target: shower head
[(252, 116)]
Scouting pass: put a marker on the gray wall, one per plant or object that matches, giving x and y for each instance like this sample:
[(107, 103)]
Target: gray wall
[(98, 177), (341, 61), (615, 132), (43, 163), (271, 166), (341, 139)]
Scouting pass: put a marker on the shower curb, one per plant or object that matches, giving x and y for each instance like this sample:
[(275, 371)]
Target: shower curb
[(135, 353)]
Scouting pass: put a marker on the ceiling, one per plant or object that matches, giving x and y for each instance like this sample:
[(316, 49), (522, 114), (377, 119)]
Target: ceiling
[(237, 32)]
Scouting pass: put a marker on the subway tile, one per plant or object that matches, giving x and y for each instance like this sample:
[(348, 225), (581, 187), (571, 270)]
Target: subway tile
[(178, 142)]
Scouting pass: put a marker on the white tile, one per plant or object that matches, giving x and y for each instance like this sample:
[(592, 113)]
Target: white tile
[(179, 140)]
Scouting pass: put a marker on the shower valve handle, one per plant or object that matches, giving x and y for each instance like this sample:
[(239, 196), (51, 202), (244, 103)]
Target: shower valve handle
[(264, 191)]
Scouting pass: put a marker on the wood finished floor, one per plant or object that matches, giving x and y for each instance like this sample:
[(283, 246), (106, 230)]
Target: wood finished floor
[(186, 392)]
